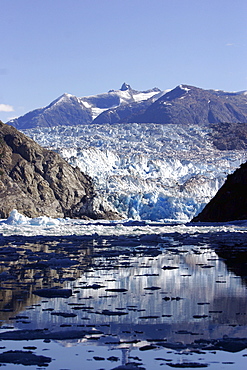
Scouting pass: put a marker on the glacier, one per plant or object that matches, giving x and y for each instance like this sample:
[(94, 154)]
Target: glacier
[(146, 171)]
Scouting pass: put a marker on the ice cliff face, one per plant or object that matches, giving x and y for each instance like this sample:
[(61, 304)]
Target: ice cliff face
[(147, 171)]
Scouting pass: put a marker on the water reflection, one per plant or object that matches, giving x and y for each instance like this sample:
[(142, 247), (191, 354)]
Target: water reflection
[(126, 293)]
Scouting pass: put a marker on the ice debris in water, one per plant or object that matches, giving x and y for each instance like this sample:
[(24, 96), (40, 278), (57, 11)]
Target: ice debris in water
[(16, 218)]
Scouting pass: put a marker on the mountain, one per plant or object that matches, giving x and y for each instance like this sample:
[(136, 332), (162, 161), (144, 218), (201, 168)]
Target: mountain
[(230, 202), (68, 110), (184, 104), (36, 182)]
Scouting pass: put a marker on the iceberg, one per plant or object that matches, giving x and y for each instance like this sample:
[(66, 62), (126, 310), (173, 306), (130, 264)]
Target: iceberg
[(17, 219)]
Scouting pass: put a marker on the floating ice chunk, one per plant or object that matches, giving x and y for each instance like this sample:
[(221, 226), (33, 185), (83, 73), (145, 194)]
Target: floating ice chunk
[(44, 221), (16, 218), (53, 293)]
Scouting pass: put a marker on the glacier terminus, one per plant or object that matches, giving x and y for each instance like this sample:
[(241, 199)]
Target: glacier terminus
[(146, 171)]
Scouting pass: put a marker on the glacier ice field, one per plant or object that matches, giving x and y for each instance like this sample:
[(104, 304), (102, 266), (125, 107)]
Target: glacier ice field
[(146, 171)]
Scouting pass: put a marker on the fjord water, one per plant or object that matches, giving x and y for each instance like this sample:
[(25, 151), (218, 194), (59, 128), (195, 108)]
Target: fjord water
[(150, 295)]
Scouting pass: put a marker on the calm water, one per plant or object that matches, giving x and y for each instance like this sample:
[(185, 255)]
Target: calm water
[(152, 296)]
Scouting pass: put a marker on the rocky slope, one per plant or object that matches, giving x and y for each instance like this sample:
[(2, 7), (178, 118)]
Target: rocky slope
[(36, 182), (230, 202)]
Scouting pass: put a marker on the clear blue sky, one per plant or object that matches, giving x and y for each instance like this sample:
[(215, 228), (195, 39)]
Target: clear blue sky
[(86, 47)]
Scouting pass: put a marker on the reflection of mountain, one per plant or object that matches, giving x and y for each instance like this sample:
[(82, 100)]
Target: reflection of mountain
[(129, 288), (36, 264), (235, 259)]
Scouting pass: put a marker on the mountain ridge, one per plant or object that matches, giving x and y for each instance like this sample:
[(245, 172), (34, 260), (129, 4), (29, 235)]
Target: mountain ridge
[(69, 110), (184, 104), (191, 105)]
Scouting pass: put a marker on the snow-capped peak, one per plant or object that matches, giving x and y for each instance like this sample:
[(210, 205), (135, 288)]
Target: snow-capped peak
[(61, 99)]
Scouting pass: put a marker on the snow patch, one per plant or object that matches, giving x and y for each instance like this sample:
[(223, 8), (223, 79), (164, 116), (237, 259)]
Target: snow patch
[(144, 96), (97, 111), (182, 87), (86, 104)]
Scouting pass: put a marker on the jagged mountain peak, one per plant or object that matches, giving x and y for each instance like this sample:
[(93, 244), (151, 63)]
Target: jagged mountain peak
[(187, 104), (125, 87)]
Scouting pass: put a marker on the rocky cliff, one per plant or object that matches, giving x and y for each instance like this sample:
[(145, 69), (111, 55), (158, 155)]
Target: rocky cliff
[(36, 182), (230, 202)]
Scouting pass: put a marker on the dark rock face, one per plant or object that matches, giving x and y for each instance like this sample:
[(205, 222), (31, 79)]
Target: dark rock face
[(36, 182), (230, 202), (229, 136), (123, 113), (125, 87)]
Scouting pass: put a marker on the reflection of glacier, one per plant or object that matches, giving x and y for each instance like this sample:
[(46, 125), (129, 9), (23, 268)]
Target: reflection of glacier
[(194, 288), (147, 171)]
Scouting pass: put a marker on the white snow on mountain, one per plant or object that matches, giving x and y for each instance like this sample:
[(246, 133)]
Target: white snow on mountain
[(70, 110), (96, 111), (121, 97), (184, 88), (147, 171)]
